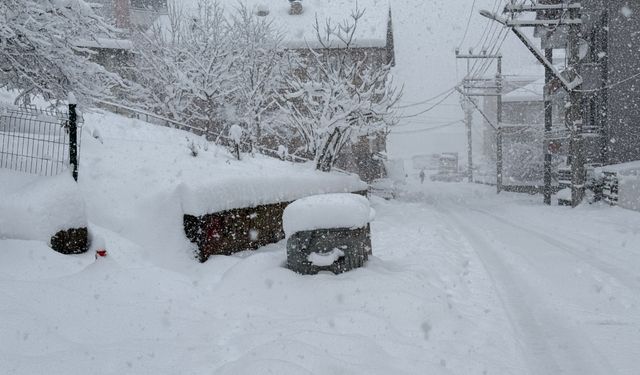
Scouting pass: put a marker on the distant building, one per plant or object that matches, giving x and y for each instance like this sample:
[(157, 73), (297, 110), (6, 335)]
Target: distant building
[(116, 54), (130, 14)]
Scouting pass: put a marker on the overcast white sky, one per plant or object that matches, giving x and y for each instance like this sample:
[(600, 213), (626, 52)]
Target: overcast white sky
[(427, 33)]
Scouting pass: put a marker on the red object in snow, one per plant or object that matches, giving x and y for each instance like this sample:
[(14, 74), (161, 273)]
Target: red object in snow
[(101, 253)]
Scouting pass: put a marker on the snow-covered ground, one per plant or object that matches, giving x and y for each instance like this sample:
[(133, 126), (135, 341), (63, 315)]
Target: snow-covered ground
[(462, 282)]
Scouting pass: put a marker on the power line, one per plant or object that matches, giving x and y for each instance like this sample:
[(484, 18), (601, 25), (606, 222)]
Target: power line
[(441, 126), (612, 85), (430, 108), (466, 30), (426, 100)]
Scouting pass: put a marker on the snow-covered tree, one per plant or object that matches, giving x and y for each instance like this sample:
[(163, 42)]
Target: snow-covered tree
[(212, 67), (258, 69), (40, 51), (333, 98), (185, 65)]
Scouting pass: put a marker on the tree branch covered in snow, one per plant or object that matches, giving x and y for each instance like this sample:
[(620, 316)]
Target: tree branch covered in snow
[(213, 66), (41, 53), (334, 97)]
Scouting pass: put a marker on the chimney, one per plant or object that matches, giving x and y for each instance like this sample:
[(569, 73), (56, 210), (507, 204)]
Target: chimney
[(296, 7), (122, 14)]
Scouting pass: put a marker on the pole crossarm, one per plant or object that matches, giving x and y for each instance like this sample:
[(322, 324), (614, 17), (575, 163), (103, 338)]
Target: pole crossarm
[(479, 56), (514, 8), (549, 23), (566, 84)]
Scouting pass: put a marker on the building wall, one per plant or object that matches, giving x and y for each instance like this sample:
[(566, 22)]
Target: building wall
[(623, 98)]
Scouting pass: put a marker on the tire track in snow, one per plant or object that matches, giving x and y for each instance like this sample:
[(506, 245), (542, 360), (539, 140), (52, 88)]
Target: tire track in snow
[(549, 344), (620, 275)]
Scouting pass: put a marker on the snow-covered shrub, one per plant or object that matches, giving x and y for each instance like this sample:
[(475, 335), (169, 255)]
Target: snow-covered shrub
[(40, 51), (210, 66)]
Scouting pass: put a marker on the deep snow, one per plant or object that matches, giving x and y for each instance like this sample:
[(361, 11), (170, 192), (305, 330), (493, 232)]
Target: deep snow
[(462, 282), (327, 211)]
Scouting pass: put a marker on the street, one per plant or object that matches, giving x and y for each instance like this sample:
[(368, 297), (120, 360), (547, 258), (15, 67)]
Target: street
[(565, 279)]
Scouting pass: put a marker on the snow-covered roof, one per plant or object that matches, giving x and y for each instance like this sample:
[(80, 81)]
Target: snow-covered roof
[(533, 92), (298, 30)]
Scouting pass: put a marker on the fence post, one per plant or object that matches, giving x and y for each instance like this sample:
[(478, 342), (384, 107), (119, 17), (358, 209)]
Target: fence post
[(73, 136)]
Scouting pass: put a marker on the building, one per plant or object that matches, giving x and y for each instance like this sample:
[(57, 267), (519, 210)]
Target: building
[(609, 46), (131, 14)]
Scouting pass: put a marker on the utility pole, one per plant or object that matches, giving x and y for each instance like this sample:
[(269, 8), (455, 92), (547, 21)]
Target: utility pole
[(574, 115), (499, 138), (468, 119), (548, 127), (570, 82), (479, 87)]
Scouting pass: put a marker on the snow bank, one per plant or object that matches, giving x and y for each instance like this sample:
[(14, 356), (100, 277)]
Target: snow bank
[(270, 186), (628, 183), (36, 208), (139, 181), (629, 192), (625, 169), (327, 211)]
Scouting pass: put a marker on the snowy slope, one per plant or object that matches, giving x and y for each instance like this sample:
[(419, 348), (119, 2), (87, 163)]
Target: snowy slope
[(139, 180)]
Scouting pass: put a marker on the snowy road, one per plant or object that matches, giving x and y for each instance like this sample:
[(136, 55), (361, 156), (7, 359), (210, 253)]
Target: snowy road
[(567, 280)]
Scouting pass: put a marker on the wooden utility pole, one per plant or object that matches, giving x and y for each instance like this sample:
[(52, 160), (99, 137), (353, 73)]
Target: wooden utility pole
[(468, 119), (479, 87), (548, 127), (574, 115)]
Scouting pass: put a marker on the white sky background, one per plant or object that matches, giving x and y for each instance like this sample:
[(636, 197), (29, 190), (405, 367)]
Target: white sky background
[(426, 35)]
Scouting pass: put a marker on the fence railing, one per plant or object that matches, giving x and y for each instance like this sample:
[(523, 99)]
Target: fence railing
[(37, 141)]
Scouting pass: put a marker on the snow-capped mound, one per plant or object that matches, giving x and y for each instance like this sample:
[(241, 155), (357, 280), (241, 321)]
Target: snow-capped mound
[(326, 212), (36, 208)]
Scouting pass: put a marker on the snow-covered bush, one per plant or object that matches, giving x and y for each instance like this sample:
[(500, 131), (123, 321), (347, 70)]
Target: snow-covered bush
[(210, 66), (40, 52), (333, 97)]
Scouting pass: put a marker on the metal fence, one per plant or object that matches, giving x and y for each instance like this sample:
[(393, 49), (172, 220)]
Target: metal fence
[(40, 142)]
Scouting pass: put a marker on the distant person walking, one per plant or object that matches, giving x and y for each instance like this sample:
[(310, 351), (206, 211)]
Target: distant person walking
[(422, 176)]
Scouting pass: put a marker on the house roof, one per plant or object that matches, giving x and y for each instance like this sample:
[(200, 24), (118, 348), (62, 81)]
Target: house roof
[(298, 30)]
